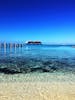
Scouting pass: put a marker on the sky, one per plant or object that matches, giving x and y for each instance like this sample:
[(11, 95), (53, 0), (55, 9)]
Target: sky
[(49, 21)]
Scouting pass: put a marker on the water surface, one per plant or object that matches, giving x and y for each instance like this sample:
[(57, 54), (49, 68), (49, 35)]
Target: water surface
[(37, 58)]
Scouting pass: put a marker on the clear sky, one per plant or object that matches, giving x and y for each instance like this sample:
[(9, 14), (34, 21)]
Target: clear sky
[(51, 21)]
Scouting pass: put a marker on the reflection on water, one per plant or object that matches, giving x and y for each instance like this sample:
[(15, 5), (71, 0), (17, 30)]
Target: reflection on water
[(38, 50)]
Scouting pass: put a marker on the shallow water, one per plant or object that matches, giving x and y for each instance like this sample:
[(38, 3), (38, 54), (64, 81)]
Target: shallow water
[(37, 58)]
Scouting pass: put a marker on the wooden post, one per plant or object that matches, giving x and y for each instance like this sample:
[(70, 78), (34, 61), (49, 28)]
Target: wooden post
[(21, 45), (10, 45), (15, 47), (4, 47), (0, 45)]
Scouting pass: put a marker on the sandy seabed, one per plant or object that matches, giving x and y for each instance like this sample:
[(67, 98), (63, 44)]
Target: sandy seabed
[(38, 90)]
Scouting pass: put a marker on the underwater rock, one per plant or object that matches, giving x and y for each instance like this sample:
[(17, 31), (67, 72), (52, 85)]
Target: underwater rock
[(9, 68), (47, 63), (49, 68), (2, 65), (25, 70), (26, 65), (46, 69), (8, 71), (38, 69)]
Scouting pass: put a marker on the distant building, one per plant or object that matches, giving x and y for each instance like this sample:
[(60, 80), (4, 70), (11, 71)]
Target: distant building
[(34, 42)]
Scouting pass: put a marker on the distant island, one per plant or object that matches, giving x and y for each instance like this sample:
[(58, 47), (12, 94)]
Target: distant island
[(34, 42)]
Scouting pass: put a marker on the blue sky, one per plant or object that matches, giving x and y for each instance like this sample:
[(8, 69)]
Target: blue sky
[(50, 21)]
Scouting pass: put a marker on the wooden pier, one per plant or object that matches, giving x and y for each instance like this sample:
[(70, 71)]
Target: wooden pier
[(11, 45)]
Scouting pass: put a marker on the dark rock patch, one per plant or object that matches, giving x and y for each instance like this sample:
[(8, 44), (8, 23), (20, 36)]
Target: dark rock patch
[(47, 63), (39, 69), (49, 69), (27, 65), (8, 71), (25, 70)]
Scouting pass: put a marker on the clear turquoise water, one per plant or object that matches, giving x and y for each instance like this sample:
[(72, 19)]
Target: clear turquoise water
[(39, 50), (41, 58)]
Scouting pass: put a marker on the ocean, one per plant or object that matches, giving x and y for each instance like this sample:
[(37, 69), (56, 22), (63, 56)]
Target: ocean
[(37, 58)]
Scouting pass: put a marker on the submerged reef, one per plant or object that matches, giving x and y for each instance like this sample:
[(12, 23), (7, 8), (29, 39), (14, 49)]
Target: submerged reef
[(26, 65)]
